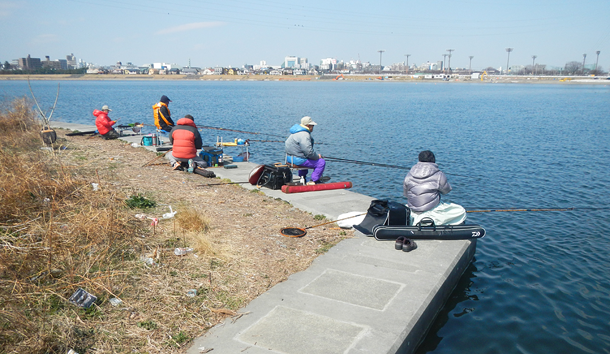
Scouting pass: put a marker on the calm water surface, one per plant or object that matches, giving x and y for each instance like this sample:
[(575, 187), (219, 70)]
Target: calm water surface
[(540, 281)]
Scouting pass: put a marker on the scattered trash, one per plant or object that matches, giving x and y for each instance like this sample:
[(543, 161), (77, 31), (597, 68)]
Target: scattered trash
[(135, 145), (115, 301), (82, 298), (95, 186), (191, 293), (71, 351), (154, 222), (140, 216), (169, 215), (182, 251), (149, 261), (46, 148)]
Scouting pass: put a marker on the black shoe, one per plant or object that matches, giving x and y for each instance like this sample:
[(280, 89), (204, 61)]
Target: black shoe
[(408, 245), (399, 241)]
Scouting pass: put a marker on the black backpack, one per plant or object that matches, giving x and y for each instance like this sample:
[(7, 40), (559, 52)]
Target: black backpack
[(384, 212), (274, 177)]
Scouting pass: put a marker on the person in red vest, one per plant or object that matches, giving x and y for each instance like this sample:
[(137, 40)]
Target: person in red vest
[(186, 140), (163, 119), (104, 124)]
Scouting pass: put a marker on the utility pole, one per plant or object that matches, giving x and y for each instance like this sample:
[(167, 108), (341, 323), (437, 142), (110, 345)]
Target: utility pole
[(470, 65), (534, 65), (596, 61), (408, 55), (444, 60), (380, 52), (508, 50), (449, 65), (584, 57)]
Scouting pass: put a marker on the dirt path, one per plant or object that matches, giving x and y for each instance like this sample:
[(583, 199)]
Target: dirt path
[(239, 257)]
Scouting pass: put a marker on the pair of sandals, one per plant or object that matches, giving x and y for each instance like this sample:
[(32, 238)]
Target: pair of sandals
[(405, 244)]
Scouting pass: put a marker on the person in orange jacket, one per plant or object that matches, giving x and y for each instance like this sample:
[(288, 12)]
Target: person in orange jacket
[(162, 115), (104, 124)]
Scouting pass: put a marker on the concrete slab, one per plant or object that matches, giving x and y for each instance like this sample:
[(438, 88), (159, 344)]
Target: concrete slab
[(362, 296)]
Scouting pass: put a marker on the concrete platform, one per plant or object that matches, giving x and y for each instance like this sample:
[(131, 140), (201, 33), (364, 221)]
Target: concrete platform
[(362, 296)]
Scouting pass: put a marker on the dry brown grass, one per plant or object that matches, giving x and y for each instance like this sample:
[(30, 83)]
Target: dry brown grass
[(58, 235)]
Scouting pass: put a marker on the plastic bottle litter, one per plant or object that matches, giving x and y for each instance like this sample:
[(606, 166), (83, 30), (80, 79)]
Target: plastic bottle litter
[(191, 293), (302, 181), (82, 298), (182, 251), (115, 302)]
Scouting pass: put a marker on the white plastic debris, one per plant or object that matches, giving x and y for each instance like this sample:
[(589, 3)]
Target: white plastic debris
[(135, 145), (191, 293), (169, 215), (115, 301), (95, 186), (182, 251)]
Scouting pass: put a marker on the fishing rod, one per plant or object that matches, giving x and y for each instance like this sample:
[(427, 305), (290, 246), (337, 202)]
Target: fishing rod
[(337, 159), (220, 184), (227, 130), (538, 209)]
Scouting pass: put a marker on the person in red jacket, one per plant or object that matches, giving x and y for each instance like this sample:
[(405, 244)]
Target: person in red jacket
[(185, 139), (104, 124)]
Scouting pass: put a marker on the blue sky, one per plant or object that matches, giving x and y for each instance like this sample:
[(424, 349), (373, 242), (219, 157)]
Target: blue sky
[(238, 32)]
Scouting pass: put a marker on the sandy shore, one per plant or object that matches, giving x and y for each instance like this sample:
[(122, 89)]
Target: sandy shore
[(399, 78)]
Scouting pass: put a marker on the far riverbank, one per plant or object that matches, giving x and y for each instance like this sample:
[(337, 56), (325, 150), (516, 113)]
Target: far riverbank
[(400, 78)]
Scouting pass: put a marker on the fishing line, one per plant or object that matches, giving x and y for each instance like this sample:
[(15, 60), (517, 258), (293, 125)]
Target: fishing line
[(533, 209), (338, 159)]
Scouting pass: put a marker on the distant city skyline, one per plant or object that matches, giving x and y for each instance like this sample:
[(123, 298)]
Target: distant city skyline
[(237, 32)]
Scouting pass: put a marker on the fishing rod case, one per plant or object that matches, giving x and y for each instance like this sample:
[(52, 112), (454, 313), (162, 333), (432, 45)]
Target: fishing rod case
[(426, 230), (274, 177), (384, 212)]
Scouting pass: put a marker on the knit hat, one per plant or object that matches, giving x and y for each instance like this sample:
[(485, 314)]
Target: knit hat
[(165, 99), (426, 156), (307, 121), (105, 108), (189, 117)]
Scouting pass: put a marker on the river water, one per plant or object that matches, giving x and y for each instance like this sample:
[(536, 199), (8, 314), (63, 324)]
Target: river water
[(540, 281)]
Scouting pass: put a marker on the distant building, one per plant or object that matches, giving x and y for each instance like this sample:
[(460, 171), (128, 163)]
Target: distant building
[(29, 63), (51, 64), (71, 61), (328, 64)]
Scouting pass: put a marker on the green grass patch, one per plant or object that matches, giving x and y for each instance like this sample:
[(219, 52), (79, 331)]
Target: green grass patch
[(139, 201)]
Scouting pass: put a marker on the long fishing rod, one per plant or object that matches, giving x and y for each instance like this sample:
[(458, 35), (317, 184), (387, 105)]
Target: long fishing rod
[(538, 209), (227, 130), (337, 159), (220, 184)]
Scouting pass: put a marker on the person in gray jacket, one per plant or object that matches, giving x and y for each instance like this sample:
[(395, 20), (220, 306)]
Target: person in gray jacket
[(424, 183), (423, 187), (300, 151)]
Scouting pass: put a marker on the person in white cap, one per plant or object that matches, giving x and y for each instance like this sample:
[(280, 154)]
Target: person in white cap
[(300, 150), (104, 124)]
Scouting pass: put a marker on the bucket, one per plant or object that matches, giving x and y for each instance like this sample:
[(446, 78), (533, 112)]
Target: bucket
[(147, 140)]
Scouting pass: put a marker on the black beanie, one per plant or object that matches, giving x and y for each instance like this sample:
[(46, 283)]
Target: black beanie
[(426, 156), (189, 117), (165, 99)]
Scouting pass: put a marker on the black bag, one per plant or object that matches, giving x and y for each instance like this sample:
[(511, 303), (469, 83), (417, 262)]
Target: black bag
[(384, 212), (274, 177)]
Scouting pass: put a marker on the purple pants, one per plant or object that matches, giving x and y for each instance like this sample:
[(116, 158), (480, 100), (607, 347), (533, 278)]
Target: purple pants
[(318, 169)]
